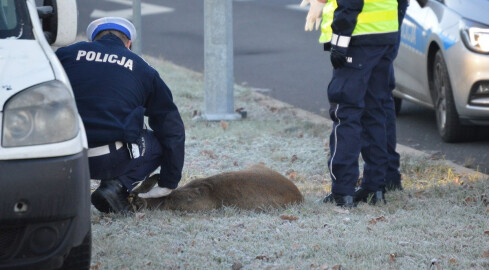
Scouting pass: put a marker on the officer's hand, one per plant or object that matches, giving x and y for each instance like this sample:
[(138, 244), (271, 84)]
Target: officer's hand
[(338, 57), (315, 14), (155, 192)]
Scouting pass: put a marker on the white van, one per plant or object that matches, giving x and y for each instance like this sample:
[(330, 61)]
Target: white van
[(44, 176)]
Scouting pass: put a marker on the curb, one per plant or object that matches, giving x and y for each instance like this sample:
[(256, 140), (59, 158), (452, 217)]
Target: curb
[(267, 101)]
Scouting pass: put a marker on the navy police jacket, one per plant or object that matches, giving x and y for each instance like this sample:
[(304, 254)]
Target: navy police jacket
[(114, 88), (345, 20)]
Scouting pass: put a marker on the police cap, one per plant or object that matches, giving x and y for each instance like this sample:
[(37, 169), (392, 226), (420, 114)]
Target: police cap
[(111, 23)]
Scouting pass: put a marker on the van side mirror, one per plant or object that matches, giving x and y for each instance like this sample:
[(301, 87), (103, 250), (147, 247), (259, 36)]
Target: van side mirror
[(422, 3), (59, 21)]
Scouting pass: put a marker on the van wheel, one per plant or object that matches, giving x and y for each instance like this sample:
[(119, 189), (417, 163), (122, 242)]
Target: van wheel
[(79, 257), (447, 119), (397, 105)]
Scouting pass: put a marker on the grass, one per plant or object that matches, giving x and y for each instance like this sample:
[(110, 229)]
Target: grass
[(440, 220)]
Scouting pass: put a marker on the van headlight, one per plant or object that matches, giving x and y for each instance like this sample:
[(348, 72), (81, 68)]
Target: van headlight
[(475, 36), (45, 113)]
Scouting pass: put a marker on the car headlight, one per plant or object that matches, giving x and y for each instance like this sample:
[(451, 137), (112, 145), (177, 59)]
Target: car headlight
[(45, 113), (475, 36)]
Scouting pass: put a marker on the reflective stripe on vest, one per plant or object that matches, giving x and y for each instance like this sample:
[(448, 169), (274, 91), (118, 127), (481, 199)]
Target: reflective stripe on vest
[(377, 17)]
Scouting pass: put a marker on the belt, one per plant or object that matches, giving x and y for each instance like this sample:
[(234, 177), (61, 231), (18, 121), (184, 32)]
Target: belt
[(103, 150)]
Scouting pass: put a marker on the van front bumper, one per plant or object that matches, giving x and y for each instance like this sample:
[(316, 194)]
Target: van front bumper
[(45, 210)]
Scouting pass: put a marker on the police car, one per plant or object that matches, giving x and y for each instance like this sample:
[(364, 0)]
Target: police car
[(44, 176), (443, 63)]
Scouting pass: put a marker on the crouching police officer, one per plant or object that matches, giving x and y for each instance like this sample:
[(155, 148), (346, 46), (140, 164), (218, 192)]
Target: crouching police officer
[(361, 36), (114, 89)]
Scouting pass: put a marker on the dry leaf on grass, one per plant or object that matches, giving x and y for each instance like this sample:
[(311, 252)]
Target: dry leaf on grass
[(224, 125), (289, 218), (209, 153), (95, 266), (485, 254), (392, 257), (418, 194), (452, 261), (469, 199), (377, 219), (293, 158), (140, 215), (273, 109), (457, 181), (292, 174), (262, 257), (337, 267)]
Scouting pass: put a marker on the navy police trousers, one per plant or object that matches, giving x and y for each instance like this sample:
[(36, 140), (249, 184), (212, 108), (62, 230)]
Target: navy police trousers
[(357, 93), (130, 163)]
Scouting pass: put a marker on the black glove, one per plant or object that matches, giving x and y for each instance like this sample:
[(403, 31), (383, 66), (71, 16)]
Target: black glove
[(338, 57)]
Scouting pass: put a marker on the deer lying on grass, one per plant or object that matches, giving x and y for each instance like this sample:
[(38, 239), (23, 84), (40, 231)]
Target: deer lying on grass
[(256, 188)]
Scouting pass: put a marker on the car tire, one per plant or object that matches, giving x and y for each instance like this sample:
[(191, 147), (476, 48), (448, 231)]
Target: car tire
[(79, 257), (447, 119), (397, 105)]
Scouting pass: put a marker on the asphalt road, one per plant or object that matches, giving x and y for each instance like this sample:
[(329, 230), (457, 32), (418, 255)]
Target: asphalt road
[(274, 55)]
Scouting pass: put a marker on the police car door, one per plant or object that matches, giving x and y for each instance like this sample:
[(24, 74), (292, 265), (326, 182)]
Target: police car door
[(411, 63)]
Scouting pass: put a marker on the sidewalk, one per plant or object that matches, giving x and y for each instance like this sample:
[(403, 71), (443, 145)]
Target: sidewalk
[(434, 221)]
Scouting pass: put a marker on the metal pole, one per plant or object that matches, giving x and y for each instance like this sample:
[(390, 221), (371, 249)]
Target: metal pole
[(136, 20), (218, 61)]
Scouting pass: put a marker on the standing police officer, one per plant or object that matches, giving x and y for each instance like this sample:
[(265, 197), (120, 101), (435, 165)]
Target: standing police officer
[(114, 89), (361, 36)]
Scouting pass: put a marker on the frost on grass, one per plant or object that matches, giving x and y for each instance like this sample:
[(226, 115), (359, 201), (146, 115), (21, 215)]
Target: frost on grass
[(440, 216)]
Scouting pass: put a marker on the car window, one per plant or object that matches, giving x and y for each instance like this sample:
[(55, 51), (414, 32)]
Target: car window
[(14, 20)]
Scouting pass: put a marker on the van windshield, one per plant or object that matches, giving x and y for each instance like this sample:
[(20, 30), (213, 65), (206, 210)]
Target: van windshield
[(14, 20)]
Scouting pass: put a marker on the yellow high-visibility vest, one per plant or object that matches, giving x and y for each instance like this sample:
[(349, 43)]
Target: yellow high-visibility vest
[(377, 17)]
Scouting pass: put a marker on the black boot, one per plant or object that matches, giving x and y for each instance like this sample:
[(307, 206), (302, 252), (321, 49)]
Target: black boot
[(369, 196), (111, 196), (340, 200)]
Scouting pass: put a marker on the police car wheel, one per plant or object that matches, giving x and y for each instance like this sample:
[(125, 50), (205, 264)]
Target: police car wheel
[(447, 119)]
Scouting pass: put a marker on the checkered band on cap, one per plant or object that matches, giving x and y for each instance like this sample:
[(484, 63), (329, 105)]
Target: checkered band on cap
[(111, 23)]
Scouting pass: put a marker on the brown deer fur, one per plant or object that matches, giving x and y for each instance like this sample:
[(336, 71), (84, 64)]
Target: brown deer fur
[(255, 188)]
